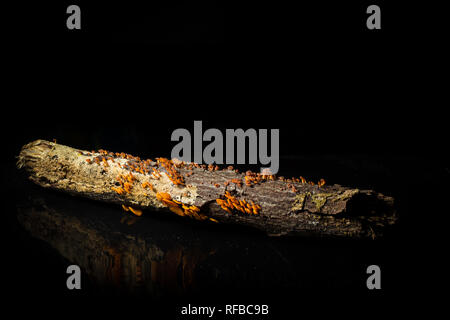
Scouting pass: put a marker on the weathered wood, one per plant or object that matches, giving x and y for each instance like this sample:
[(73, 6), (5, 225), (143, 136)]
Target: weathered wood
[(287, 207)]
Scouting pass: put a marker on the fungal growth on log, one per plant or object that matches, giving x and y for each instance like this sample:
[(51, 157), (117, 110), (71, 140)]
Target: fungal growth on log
[(275, 205)]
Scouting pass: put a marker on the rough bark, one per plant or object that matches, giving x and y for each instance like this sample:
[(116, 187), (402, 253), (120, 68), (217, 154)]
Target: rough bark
[(287, 207)]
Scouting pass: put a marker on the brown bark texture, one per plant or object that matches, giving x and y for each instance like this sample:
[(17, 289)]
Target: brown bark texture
[(274, 205)]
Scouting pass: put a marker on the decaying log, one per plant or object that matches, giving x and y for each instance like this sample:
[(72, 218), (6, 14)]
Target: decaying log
[(276, 206)]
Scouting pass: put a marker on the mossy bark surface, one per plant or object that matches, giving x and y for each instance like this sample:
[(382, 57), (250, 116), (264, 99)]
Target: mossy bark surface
[(287, 208)]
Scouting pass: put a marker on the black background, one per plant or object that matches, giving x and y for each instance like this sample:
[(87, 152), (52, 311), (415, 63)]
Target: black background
[(364, 105)]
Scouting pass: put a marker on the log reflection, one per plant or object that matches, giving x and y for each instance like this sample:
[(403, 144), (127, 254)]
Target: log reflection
[(123, 253), (112, 253)]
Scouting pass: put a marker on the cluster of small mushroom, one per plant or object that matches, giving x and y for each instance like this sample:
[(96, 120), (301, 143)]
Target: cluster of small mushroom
[(182, 209), (135, 211), (138, 165), (320, 183), (256, 178), (171, 170), (192, 165), (148, 185), (134, 164), (125, 182), (230, 204), (102, 159), (252, 178)]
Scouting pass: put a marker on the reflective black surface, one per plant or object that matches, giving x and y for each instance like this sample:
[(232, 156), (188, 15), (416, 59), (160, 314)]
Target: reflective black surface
[(162, 256)]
